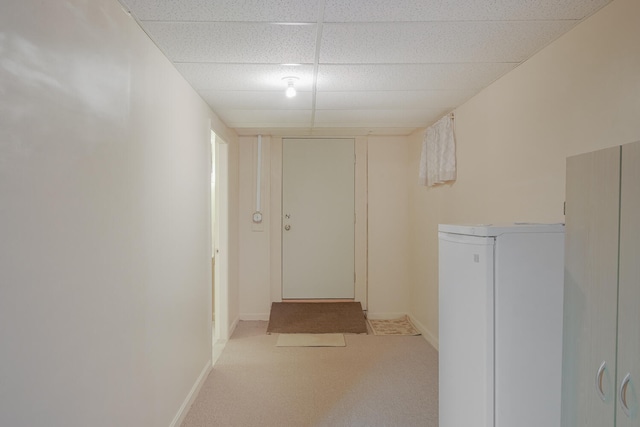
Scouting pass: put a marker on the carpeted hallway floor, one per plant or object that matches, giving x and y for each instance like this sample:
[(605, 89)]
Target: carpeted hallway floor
[(373, 381)]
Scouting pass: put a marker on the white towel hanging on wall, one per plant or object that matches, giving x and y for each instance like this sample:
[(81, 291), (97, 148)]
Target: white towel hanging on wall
[(438, 158)]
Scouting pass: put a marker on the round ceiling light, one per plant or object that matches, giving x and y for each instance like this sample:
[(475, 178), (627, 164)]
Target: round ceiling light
[(291, 89)]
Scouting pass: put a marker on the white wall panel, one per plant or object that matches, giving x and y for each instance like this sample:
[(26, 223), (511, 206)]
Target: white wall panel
[(104, 221)]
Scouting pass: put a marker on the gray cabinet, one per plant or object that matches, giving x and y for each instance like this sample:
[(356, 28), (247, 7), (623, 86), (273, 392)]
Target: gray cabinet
[(628, 367), (601, 329)]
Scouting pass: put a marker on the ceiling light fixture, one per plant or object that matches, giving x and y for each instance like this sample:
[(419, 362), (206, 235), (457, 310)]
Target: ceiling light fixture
[(291, 90)]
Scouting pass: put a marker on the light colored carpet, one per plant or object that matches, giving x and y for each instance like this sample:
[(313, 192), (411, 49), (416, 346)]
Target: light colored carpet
[(401, 326), (373, 381), (310, 340)]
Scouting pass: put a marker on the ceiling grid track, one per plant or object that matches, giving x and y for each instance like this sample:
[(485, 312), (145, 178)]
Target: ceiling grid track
[(388, 68), (316, 61)]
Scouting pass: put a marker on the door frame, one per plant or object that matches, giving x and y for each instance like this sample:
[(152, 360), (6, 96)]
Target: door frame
[(220, 333), (361, 226), (318, 255)]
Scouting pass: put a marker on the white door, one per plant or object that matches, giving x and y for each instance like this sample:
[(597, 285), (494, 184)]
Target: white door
[(221, 241), (317, 218)]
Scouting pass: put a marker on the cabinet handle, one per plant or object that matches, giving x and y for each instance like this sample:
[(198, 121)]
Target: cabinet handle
[(599, 378), (623, 394)]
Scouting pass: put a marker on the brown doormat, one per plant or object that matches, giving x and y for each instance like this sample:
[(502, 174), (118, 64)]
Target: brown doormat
[(317, 318)]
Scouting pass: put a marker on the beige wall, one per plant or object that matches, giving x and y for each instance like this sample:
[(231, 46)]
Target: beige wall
[(579, 94), (104, 221), (234, 230), (388, 290), (228, 136), (254, 267), (385, 159)]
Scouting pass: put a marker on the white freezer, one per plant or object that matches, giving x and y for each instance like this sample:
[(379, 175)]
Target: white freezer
[(500, 334)]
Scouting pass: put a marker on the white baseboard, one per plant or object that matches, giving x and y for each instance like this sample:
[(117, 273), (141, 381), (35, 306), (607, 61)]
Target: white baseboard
[(426, 333), (191, 397), (218, 346), (233, 326), (255, 316)]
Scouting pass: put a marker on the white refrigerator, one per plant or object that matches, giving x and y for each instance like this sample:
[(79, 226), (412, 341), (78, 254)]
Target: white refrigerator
[(500, 325)]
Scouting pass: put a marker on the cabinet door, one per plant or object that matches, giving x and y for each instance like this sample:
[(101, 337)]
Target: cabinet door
[(590, 299), (629, 289)]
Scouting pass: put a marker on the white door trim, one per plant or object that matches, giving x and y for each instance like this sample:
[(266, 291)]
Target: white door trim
[(361, 229), (318, 234), (221, 281)]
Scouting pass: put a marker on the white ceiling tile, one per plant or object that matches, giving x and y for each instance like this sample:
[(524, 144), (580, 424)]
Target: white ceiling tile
[(338, 77), (385, 67), (457, 10), (226, 10), (235, 42), (253, 100), (368, 100), (438, 42), (203, 76), (266, 118), (377, 118)]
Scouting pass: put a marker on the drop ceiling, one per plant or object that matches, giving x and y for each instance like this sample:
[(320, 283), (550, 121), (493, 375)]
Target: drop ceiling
[(364, 66)]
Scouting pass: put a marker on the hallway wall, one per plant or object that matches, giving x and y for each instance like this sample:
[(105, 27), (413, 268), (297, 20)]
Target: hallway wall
[(385, 236), (388, 237), (104, 221), (579, 94)]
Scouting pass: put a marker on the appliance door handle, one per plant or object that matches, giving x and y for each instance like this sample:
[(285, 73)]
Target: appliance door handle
[(623, 394), (599, 378)]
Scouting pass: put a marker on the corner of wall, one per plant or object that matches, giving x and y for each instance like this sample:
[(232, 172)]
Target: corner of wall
[(426, 333), (191, 397)]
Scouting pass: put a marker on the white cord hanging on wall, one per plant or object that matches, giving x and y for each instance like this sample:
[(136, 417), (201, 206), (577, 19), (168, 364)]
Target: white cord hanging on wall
[(257, 215)]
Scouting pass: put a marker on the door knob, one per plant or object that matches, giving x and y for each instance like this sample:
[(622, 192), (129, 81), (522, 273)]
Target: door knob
[(287, 227)]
